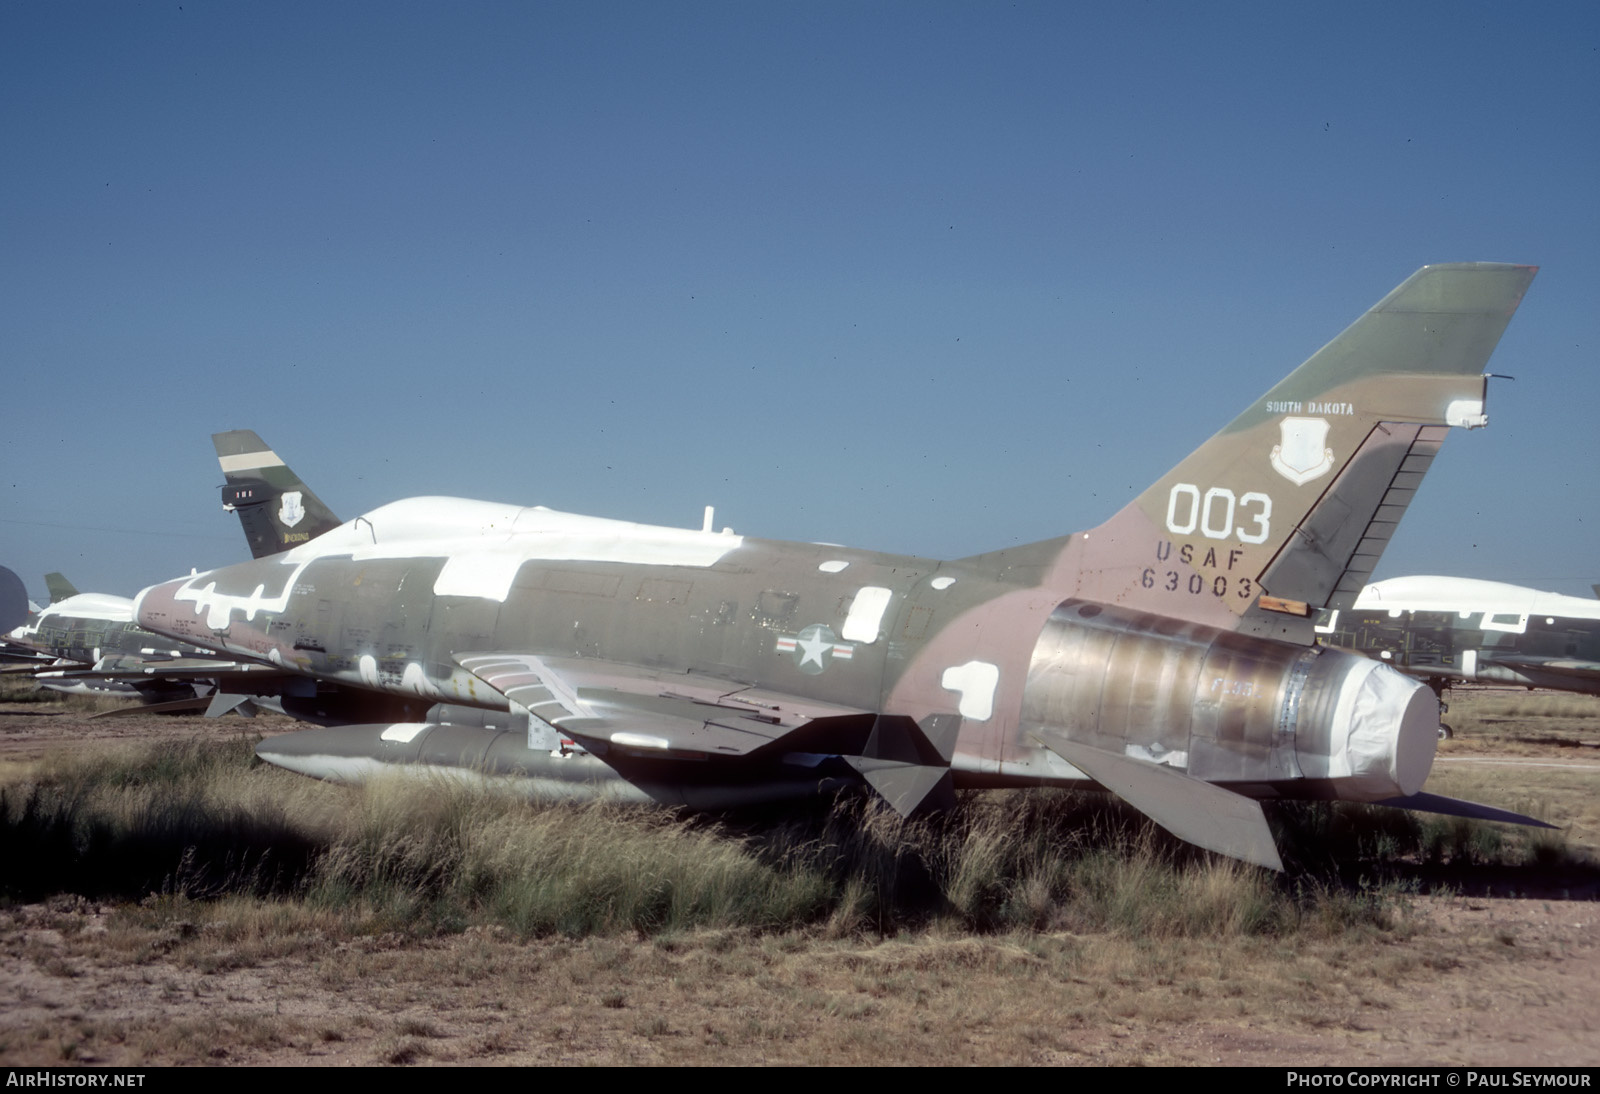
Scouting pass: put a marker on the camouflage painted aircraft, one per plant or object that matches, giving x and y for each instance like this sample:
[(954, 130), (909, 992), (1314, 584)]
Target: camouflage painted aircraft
[(92, 646), (1167, 656), (1447, 630)]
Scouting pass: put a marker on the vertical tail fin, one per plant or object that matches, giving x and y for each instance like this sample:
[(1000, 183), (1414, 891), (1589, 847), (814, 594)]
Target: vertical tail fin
[(1288, 508), (59, 587), (277, 510)]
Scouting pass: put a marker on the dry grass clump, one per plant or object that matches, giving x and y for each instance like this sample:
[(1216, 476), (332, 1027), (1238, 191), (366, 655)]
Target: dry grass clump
[(23, 689), (1541, 704), (277, 855), (1519, 721), (440, 854), (182, 818)]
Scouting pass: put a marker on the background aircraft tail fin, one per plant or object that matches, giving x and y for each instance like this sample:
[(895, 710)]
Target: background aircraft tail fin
[(277, 510), (59, 587), (1288, 508)]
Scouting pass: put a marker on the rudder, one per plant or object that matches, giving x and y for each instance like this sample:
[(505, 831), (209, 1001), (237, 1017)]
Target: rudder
[(1289, 507), (277, 510)]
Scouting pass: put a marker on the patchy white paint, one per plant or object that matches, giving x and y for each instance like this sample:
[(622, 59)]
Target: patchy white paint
[(414, 679), (250, 461), (1167, 758), (483, 543), (218, 607), (485, 574), (1464, 595), (866, 614), (639, 740), (976, 682), (112, 609), (542, 736), (1466, 413), (405, 732), (942, 583), (833, 566)]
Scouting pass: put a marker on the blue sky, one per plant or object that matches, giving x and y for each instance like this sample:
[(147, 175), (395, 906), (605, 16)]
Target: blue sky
[(929, 278)]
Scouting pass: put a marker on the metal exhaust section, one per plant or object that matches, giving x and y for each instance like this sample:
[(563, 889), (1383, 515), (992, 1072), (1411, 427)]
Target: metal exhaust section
[(1227, 707)]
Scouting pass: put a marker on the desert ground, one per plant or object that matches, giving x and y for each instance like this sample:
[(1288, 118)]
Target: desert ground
[(1487, 961)]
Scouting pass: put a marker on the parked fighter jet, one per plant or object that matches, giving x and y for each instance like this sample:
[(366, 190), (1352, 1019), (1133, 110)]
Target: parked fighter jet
[(92, 646), (1450, 629), (1167, 655)]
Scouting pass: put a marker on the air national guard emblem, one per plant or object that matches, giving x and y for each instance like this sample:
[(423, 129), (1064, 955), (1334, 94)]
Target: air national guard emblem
[(291, 512), (1302, 456)]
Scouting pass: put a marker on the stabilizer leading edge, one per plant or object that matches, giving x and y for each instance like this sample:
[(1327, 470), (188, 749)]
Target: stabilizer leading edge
[(1191, 809)]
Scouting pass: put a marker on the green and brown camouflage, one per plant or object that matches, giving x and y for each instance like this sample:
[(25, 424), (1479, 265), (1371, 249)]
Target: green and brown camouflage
[(278, 511), (93, 646), (1166, 655), (59, 587)]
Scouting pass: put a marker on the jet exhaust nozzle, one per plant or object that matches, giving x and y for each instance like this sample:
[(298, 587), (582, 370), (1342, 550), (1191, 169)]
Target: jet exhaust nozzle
[(1229, 708)]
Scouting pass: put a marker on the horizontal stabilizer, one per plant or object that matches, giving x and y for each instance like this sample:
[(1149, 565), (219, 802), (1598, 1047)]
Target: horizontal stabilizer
[(1455, 807), (905, 786), (224, 703), (1191, 809)]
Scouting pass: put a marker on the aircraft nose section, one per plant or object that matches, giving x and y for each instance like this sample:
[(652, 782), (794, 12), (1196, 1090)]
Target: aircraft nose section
[(158, 609)]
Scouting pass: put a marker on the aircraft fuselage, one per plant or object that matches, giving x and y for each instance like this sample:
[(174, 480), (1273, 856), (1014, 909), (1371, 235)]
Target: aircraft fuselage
[(385, 605)]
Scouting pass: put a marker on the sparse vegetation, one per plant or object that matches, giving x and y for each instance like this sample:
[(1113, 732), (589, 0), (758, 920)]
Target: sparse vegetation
[(204, 820), (421, 921)]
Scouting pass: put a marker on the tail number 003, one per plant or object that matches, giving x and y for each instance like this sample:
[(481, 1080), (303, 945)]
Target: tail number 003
[(1215, 513)]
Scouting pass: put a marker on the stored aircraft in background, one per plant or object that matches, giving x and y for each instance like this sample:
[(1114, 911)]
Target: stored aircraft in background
[(1168, 655), (1448, 630), (89, 643)]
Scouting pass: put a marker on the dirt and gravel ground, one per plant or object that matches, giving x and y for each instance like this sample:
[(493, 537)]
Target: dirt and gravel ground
[(1486, 980)]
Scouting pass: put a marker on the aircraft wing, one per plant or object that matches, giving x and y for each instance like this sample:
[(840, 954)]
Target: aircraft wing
[(1561, 666), (636, 708), (39, 661), (627, 713), (213, 671)]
